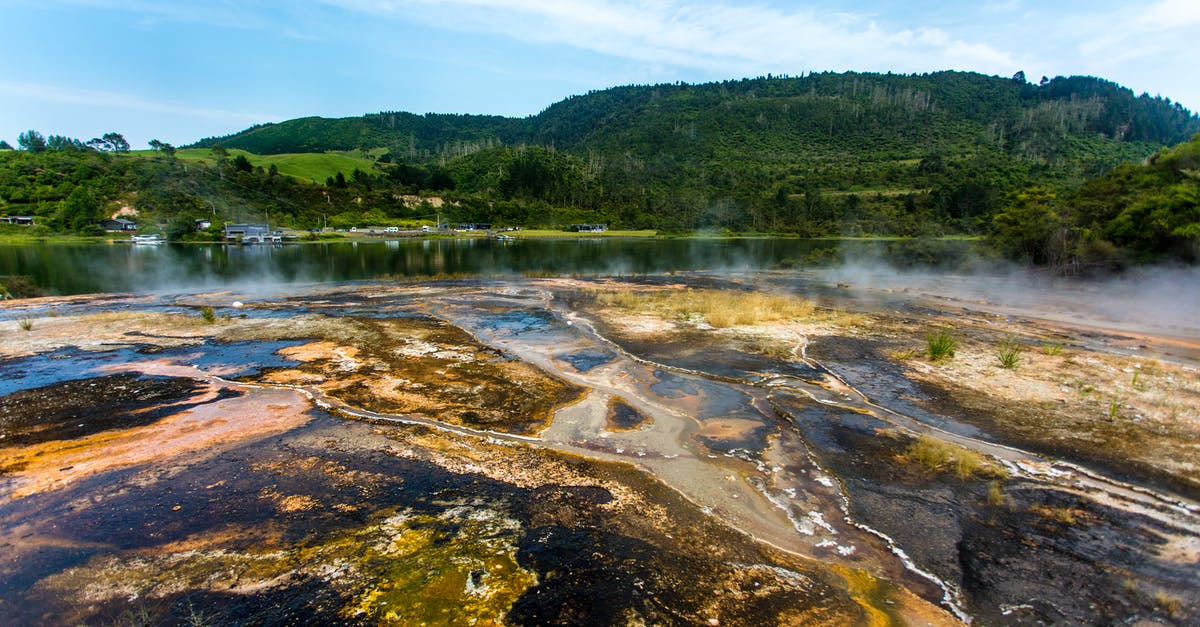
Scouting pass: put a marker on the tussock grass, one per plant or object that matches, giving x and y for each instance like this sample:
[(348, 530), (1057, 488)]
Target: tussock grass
[(1008, 353), (995, 496), (719, 308), (941, 345), (539, 274), (1052, 348), (1064, 515), (26, 324), (1168, 603), (940, 456)]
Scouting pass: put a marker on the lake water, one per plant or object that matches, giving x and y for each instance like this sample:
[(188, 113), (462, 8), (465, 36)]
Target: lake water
[(121, 267)]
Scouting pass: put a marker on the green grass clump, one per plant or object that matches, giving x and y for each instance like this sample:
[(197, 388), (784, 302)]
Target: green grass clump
[(26, 324), (208, 314), (1052, 348), (1009, 354), (941, 345)]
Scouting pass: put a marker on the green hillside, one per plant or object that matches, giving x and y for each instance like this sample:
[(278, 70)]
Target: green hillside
[(824, 154), (309, 167), (1132, 214)]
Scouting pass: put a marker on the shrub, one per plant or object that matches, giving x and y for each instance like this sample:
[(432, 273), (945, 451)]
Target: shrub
[(208, 314), (941, 345)]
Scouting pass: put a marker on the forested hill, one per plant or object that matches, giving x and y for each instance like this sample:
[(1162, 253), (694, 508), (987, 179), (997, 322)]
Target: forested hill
[(1059, 162), (829, 153), (773, 117)]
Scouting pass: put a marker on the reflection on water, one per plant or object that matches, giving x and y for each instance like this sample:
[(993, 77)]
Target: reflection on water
[(86, 268)]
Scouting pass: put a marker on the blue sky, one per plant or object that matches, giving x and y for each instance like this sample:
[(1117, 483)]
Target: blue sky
[(179, 71)]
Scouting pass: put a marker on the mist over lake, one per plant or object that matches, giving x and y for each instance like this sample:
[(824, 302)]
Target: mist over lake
[(87, 268)]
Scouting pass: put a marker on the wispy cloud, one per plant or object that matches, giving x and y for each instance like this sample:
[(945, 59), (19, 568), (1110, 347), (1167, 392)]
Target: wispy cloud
[(716, 37), (222, 13), (113, 100)]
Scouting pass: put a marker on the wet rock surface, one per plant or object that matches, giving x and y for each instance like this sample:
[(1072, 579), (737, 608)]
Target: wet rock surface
[(508, 452), (1021, 552), (324, 525), (74, 409), (1016, 549)]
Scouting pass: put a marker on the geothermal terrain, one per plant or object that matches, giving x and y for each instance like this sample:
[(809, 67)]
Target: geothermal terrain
[(767, 448)]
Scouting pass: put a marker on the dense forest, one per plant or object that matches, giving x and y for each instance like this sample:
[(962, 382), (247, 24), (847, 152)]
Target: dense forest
[(1059, 172)]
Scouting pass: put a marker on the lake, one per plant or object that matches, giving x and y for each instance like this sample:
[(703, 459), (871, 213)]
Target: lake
[(120, 267)]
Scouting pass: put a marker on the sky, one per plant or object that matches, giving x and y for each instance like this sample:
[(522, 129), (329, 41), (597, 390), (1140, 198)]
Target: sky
[(181, 71)]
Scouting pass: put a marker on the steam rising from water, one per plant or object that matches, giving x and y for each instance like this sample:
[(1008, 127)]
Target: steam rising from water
[(1159, 299), (1163, 300)]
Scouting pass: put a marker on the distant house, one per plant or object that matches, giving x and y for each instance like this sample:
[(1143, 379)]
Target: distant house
[(119, 225), (203, 224), (588, 228), (18, 220), (250, 233)]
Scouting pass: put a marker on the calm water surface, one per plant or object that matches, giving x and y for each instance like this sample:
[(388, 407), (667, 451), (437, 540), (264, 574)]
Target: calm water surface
[(87, 268)]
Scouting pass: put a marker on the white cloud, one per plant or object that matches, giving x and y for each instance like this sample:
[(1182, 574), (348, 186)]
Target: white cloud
[(1169, 15), (721, 38), (113, 100)]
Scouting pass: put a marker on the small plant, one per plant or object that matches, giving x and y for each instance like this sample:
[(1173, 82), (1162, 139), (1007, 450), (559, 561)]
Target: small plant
[(26, 324), (1168, 603), (208, 314), (1063, 515), (1009, 354), (195, 617), (1112, 410), (1052, 348), (995, 495), (941, 345)]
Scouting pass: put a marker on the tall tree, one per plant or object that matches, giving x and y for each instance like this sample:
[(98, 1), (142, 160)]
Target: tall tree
[(32, 141), (63, 143), (220, 155), (163, 147), (116, 141), (78, 211)]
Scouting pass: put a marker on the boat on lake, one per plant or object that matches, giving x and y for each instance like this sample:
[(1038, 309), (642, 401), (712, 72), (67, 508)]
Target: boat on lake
[(151, 240)]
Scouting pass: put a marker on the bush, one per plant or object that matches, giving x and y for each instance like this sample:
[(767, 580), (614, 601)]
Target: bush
[(208, 314)]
